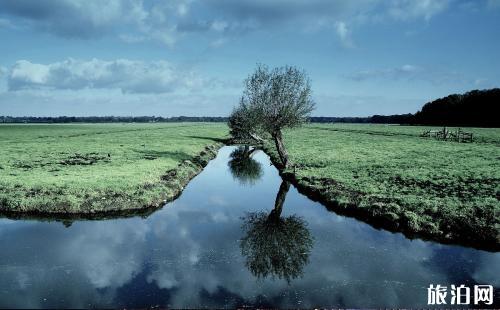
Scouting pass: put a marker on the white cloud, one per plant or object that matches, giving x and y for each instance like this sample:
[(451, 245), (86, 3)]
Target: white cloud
[(127, 75), (344, 34)]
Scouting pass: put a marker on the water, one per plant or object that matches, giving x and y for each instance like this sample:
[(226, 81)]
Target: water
[(222, 245)]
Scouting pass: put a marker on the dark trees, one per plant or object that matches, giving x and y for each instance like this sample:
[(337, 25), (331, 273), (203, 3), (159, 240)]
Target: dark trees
[(475, 108)]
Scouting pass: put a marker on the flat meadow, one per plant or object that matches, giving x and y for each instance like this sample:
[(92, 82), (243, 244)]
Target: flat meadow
[(86, 168), (440, 189)]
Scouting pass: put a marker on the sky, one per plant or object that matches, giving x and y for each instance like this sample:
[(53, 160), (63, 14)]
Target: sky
[(191, 57)]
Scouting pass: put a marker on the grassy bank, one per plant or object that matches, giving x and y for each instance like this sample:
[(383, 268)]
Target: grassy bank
[(96, 168), (391, 177)]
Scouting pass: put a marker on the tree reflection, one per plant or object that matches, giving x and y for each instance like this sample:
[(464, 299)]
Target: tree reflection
[(243, 167), (273, 245)]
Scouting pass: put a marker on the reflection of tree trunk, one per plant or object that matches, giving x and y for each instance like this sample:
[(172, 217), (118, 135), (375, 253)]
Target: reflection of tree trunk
[(280, 146), (280, 200), (249, 152)]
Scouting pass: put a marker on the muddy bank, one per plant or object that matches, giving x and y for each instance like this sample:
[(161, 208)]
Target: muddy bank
[(341, 200), (121, 204)]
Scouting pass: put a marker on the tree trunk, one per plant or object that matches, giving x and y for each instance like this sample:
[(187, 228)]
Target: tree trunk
[(280, 147), (280, 200), (255, 137)]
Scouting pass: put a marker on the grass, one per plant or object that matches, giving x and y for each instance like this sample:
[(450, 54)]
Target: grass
[(389, 175), (386, 175), (89, 168)]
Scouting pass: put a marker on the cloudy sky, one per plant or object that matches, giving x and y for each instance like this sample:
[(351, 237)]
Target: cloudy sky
[(189, 57)]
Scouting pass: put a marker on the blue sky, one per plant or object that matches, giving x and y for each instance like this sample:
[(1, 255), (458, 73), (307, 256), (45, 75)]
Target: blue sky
[(190, 57)]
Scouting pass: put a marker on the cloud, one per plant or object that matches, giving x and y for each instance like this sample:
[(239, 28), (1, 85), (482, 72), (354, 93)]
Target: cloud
[(136, 21), (82, 19), (415, 9), (344, 34), (322, 13), (269, 12), (127, 75)]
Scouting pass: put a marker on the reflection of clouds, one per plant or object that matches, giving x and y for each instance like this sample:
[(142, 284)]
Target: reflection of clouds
[(369, 277), (104, 254), (67, 265), (190, 250), (218, 200), (189, 261), (347, 275)]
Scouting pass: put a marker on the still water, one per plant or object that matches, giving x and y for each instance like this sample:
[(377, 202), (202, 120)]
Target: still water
[(229, 241)]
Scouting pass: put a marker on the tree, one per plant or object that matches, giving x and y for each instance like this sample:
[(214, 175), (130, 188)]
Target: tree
[(242, 124), (273, 100)]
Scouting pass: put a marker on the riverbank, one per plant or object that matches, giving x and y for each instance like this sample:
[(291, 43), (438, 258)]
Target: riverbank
[(391, 178), (90, 171), (387, 176)]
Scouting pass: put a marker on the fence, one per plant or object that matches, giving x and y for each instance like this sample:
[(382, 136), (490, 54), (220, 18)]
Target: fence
[(448, 135)]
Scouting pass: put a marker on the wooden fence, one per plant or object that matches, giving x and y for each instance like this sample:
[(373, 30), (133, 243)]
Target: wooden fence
[(444, 134)]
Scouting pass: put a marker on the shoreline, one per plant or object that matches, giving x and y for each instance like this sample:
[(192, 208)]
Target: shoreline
[(175, 180), (380, 220), (171, 184)]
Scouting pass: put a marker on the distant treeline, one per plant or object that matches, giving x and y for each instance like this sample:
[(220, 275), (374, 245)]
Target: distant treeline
[(477, 108), (391, 119), (110, 119), (375, 119)]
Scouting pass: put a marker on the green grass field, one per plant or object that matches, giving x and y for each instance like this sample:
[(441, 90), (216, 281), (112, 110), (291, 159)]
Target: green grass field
[(440, 189), (87, 168)]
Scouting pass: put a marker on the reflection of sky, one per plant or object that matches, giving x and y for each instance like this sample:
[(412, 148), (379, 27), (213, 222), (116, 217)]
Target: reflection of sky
[(188, 255)]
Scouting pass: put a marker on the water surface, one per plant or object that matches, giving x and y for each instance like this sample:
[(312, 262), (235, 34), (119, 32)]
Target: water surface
[(223, 243)]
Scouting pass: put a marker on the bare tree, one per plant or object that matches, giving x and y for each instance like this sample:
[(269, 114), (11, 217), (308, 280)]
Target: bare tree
[(273, 100)]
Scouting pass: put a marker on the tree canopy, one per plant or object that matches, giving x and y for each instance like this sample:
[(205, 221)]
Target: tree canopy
[(273, 99)]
